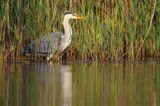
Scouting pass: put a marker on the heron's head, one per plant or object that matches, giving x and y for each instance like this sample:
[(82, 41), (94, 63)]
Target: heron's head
[(72, 15)]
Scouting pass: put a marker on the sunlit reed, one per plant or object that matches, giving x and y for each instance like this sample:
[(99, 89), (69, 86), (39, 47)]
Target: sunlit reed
[(114, 30)]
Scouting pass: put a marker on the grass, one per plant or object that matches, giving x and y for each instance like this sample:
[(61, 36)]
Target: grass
[(115, 30)]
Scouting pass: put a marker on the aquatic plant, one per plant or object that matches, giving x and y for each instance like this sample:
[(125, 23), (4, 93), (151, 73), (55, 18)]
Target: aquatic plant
[(115, 30)]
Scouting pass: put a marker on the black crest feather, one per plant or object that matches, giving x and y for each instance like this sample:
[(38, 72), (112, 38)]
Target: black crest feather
[(68, 12)]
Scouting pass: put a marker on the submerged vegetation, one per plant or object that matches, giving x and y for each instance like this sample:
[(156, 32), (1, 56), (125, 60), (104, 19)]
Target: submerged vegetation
[(115, 29)]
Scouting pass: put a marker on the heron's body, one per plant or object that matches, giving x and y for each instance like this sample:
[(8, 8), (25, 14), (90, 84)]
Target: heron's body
[(54, 43)]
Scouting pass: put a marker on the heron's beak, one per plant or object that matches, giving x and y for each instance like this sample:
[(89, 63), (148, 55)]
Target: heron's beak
[(79, 17)]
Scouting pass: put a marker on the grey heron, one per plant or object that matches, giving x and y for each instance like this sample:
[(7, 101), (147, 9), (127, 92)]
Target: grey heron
[(55, 42)]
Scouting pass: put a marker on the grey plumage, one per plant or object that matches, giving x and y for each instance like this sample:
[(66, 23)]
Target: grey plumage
[(47, 44), (51, 43)]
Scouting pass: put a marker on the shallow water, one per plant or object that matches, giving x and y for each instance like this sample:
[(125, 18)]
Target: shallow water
[(80, 84)]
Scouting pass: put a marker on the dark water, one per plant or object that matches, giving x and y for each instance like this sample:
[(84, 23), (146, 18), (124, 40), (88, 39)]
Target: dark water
[(77, 84)]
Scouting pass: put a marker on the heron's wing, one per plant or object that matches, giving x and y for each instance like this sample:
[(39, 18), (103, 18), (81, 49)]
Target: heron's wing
[(50, 43)]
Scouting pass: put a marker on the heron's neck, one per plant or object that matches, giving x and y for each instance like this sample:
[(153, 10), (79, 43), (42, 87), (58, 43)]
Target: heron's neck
[(67, 29)]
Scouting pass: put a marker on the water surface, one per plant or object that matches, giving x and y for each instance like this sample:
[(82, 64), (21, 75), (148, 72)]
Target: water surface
[(80, 84)]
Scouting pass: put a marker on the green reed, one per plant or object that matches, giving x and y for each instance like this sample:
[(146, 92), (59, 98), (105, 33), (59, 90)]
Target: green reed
[(114, 30)]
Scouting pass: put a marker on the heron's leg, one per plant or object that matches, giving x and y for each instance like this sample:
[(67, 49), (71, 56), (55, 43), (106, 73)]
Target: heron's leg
[(53, 57), (49, 57)]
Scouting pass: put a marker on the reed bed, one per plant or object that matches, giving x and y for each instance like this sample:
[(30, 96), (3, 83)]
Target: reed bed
[(114, 30)]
